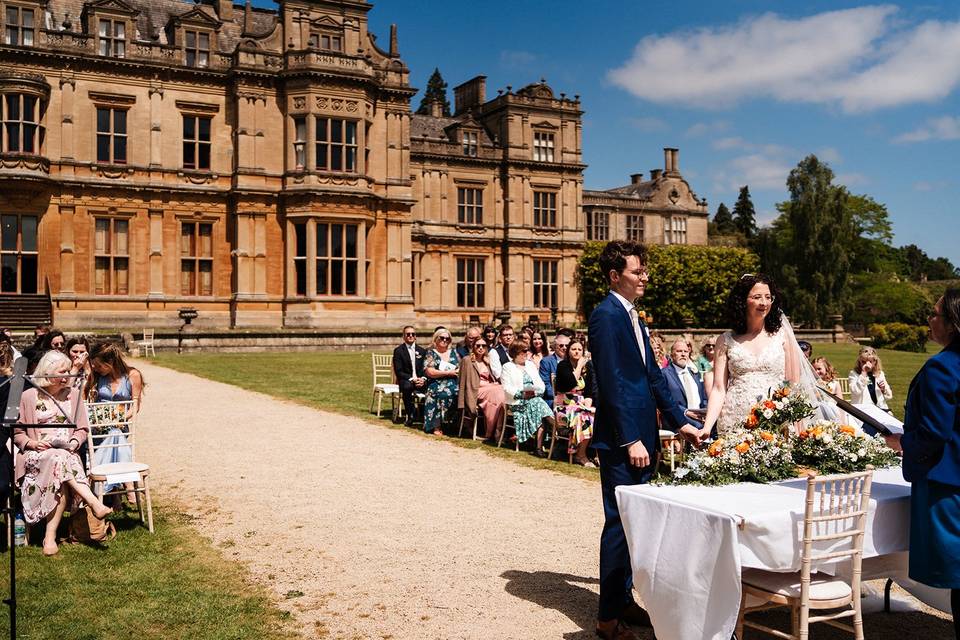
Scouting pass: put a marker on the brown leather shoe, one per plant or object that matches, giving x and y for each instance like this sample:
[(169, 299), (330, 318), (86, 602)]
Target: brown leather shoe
[(614, 630), (635, 615)]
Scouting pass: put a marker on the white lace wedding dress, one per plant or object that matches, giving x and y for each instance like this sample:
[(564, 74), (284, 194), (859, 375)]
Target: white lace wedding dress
[(749, 376)]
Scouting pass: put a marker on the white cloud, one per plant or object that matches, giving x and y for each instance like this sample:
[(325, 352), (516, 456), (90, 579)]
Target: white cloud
[(517, 59), (759, 171), (851, 179), (830, 155), (943, 128), (739, 144), (703, 128), (925, 185), (859, 59), (648, 124)]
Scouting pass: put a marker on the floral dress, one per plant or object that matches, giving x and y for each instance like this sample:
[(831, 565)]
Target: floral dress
[(441, 392), (528, 414), (577, 415), (46, 471)]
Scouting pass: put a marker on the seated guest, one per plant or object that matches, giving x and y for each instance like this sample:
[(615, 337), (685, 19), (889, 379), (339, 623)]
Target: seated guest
[(440, 366), (827, 375), (465, 347), (538, 347), (49, 472), (684, 382), (499, 355), (548, 366), (78, 350), (115, 381), (656, 343), (523, 390), (574, 377), (704, 362), (408, 369), (867, 382), (53, 340), (490, 335), (477, 388), (806, 348)]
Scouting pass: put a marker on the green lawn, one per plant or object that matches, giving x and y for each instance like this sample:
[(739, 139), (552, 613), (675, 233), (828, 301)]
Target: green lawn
[(172, 584)]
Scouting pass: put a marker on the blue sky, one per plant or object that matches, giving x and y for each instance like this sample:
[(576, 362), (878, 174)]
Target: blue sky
[(744, 89)]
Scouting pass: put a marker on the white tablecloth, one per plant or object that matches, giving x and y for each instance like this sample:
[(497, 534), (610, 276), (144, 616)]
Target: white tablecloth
[(688, 544)]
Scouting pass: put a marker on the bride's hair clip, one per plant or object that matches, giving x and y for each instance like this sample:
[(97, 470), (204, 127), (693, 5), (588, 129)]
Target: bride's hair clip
[(746, 275)]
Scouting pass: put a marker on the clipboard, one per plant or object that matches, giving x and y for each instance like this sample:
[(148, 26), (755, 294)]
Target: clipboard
[(859, 414)]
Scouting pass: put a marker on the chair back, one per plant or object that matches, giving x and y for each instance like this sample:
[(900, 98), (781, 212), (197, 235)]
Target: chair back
[(104, 418), (844, 386), (148, 335), (382, 369), (833, 524)]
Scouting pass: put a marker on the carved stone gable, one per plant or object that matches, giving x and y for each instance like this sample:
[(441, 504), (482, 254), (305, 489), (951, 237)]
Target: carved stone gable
[(110, 6), (197, 17)]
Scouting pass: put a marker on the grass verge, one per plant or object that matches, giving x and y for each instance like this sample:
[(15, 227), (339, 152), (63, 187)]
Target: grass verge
[(172, 584)]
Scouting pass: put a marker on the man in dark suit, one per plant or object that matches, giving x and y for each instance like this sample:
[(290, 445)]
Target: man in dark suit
[(408, 361), (548, 366), (629, 389), (684, 382), (499, 355)]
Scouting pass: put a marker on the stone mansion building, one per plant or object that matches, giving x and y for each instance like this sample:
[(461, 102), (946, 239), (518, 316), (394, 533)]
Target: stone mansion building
[(264, 168)]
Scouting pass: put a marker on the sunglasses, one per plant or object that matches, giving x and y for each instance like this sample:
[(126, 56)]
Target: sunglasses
[(444, 338), (480, 345), (409, 335)]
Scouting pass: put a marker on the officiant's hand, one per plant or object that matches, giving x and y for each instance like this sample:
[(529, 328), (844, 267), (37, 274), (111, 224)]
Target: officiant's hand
[(893, 441), (637, 454)]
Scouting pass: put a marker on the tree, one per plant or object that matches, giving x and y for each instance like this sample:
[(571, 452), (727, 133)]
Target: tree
[(723, 221), (807, 249), (744, 216), (436, 91), (871, 249)]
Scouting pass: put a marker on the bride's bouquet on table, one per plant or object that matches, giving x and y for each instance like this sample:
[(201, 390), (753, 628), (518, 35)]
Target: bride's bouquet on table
[(768, 446)]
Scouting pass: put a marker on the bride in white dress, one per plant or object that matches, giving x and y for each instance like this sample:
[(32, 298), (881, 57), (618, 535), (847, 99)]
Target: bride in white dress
[(759, 354)]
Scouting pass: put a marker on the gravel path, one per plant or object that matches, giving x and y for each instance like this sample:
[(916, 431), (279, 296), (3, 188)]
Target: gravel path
[(386, 534), (365, 533)]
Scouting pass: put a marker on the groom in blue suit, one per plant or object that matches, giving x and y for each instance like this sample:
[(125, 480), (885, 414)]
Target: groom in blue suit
[(629, 388)]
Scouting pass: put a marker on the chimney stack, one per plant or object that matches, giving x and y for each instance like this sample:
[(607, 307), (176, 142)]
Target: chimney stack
[(655, 174), (247, 19), (394, 47), (225, 9), (636, 178), (471, 93), (671, 162), (436, 108)]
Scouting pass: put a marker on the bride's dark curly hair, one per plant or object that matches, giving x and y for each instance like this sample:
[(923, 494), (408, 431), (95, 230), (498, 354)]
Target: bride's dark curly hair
[(737, 303)]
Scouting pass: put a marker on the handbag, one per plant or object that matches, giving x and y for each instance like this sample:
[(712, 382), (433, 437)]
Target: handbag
[(86, 528)]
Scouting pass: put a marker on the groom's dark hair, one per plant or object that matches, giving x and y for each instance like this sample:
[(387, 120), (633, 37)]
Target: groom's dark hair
[(614, 255)]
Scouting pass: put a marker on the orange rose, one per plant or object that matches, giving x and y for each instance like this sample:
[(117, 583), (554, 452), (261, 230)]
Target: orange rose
[(715, 449), (766, 435), (803, 435), (743, 447), (752, 421), (845, 428), (769, 404)]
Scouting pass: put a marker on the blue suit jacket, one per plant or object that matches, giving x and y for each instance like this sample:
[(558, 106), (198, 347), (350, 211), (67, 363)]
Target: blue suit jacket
[(627, 393), (931, 439), (548, 367), (676, 387)]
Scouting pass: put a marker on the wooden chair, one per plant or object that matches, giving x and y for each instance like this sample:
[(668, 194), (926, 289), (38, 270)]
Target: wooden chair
[(844, 387), (147, 343), (418, 399), (559, 422), (104, 417), (473, 418), (507, 424), (668, 442), (835, 517), (383, 384)]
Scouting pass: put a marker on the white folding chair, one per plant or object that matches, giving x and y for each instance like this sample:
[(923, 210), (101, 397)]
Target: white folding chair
[(147, 343), (383, 384), (112, 428), (844, 386), (834, 520)]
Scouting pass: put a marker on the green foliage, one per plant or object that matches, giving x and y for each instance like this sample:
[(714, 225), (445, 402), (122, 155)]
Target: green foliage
[(807, 249), (879, 298), (723, 221), (686, 281), (899, 336), (744, 215), (918, 266), (436, 90), (871, 248)]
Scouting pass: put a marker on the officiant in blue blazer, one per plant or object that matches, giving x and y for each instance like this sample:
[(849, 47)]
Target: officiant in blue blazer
[(684, 380), (628, 389), (931, 457)]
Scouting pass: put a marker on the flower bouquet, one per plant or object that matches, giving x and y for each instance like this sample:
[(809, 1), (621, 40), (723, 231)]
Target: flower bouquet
[(829, 447), (776, 413), (741, 455)]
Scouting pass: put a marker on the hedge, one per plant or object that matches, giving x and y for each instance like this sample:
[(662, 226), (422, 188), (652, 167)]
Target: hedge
[(898, 336)]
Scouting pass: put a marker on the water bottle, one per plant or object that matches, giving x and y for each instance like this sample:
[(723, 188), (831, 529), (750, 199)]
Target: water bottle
[(19, 532)]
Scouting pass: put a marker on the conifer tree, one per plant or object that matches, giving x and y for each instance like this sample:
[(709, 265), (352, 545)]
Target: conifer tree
[(723, 221), (744, 216), (436, 90)]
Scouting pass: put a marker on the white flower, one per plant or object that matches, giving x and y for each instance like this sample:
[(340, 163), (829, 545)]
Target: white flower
[(778, 404), (681, 472), (827, 438), (861, 452), (767, 413), (853, 457)]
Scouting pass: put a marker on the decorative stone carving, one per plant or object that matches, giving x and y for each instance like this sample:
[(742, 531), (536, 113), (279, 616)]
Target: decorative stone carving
[(352, 106), (299, 103)]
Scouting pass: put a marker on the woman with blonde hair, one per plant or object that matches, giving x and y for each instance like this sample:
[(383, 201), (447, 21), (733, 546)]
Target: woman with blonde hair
[(53, 425), (868, 384), (441, 366)]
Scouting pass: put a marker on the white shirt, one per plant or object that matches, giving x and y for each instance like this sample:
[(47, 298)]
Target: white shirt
[(690, 389), (412, 350), (635, 320), (496, 367)]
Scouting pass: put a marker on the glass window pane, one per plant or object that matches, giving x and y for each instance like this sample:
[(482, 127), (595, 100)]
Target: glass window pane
[(121, 274), (351, 133), (203, 162), (336, 278), (204, 129), (300, 231), (118, 49), (13, 106), (29, 131), (191, 37), (9, 277), (336, 130), (204, 40), (13, 137), (120, 149), (101, 276), (336, 158), (120, 237), (321, 156), (12, 17), (189, 128), (103, 120), (104, 47), (187, 278), (351, 277), (322, 278), (206, 277), (206, 240), (203, 59), (322, 124), (102, 236), (189, 157), (300, 276), (9, 233), (351, 163), (29, 104), (119, 121), (186, 239), (28, 274), (28, 233), (336, 240), (461, 269), (104, 28), (322, 233), (119, 29), (10, 35)]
